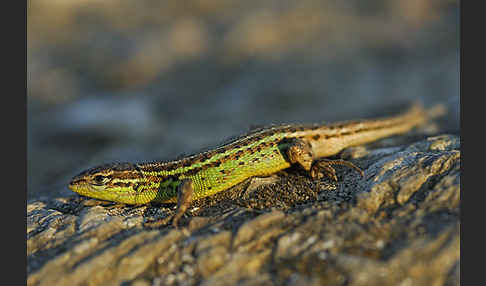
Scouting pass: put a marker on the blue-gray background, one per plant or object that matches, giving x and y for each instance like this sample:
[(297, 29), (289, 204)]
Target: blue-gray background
[(146, 80)]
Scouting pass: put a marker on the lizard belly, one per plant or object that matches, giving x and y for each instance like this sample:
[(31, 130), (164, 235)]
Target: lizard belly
[(216, 179)]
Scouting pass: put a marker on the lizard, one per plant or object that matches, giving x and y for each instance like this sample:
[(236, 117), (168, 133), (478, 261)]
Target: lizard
[(261, 152)]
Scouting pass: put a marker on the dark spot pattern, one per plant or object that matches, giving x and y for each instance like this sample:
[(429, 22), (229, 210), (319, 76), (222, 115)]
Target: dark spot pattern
[(255, 136)]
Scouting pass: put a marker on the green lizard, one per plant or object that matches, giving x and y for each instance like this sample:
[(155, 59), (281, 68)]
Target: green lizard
[(261, 152)]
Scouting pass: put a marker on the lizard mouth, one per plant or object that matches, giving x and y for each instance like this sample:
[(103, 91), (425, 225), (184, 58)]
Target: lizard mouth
[(101, 193), (81, 188)]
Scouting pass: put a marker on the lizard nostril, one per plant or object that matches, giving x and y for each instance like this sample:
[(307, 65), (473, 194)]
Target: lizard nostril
[(73, 182)]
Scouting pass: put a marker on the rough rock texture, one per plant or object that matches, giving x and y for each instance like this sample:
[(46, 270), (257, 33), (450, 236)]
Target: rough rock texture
[(399, 225)]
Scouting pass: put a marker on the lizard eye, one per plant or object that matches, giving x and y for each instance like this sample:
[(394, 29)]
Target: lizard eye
[(100, 179)]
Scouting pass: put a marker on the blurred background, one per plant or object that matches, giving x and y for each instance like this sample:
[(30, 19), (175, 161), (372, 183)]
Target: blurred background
[(148, 80)]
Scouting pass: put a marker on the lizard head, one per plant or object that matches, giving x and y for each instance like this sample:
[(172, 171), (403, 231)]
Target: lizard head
[(117, 182)]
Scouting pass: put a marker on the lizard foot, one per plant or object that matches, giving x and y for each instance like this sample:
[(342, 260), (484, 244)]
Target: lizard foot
[(158, 223), (321, 167)]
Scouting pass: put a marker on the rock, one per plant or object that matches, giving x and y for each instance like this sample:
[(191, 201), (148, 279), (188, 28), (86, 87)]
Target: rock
[(399, 225)]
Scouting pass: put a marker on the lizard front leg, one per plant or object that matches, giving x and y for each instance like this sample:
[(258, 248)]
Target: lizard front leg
[(184, 197), (300, 152)]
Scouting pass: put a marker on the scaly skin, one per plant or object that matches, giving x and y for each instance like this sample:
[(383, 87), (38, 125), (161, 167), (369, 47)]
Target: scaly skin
[(260, 153)]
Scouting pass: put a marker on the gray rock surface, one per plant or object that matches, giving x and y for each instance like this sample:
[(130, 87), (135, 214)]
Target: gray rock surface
[(399, 225)]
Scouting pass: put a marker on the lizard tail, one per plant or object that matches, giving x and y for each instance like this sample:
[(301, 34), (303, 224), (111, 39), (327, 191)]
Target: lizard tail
[(418, 113), (436, 111)]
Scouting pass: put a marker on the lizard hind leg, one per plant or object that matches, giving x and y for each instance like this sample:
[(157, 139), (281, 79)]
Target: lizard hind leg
[(324, 166), (301, 153)]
